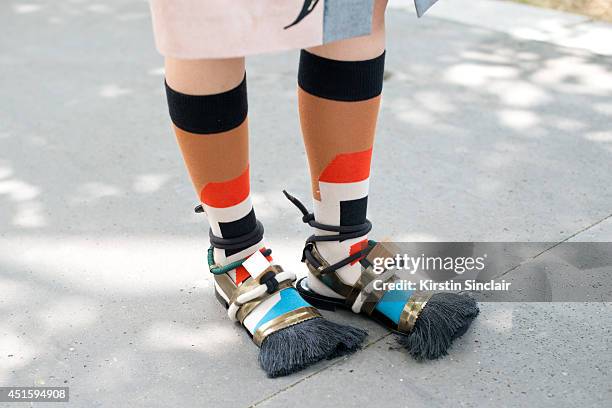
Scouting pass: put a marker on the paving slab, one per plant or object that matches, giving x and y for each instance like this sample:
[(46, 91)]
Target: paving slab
[(481, 137), (514, 357), (600, 232)]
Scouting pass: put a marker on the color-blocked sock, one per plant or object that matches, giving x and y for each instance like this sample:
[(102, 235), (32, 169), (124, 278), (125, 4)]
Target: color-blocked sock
[(339, 103), (212, 132)]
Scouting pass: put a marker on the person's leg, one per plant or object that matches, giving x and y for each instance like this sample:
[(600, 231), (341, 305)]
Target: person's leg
[(207, 100), (339, 97), (208, 106)]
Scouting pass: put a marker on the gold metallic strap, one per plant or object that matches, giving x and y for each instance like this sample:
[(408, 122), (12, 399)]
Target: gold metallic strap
[(380, 250), (229, 288), (350, 292), (296, 316), (226, 285), (246, 286), (367, 276), (412, 310), (331, 279)]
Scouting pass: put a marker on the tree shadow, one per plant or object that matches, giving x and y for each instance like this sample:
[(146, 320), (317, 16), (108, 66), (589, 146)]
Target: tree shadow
[(481, 137)]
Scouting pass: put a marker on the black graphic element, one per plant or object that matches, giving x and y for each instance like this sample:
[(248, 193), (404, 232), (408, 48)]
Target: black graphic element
[(353, 212), (307, 8), (234, 229)]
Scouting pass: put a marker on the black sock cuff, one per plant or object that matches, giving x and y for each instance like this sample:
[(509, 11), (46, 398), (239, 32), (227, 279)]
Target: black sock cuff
[(341, 80), (204, 114)]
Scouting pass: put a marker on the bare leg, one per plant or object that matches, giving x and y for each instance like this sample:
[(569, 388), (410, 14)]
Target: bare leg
[(360, 48), (204, 77)]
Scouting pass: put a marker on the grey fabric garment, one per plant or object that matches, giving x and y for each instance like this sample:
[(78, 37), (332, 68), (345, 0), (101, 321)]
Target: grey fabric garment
[(423, 5), (346, 19), (353, 18)]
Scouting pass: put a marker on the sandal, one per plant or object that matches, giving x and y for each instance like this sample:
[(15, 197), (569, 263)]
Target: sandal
[(290, 333), (426, 323)]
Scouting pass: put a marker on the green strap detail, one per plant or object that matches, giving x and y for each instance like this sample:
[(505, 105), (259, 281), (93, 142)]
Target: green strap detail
[(219, 269)]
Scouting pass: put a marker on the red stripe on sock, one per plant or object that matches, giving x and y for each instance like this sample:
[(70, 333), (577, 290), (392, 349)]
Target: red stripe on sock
[(356, 248), (227, 193), (242, 274), (348, 168)]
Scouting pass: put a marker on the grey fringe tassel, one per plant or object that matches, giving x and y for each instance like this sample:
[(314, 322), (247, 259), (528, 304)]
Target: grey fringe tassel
[(296, 347), (445, 317)]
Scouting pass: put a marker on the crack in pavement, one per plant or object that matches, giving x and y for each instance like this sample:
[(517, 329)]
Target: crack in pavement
[(553, 246), (288, 387)]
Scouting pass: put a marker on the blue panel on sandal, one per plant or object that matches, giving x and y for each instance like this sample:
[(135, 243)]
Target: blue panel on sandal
[(289, 301), (392, 303)]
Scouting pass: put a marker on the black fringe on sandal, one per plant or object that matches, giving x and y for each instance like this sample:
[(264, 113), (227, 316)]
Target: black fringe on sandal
[(296, 347), (445, 317)]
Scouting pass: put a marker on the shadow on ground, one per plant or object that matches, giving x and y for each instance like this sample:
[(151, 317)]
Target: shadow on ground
[(102, 275)]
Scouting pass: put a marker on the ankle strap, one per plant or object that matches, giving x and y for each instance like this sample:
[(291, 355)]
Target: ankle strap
[(344, 232), (239, 242)]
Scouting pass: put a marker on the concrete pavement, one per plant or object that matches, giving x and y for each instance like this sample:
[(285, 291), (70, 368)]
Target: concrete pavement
[(483, 136)]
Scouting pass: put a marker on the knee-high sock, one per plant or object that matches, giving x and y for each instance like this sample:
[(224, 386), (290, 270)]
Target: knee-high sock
[(338, 103), (212, 132)]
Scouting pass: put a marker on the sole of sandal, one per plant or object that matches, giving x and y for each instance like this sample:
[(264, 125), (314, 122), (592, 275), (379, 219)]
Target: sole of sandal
[(221, 299)]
